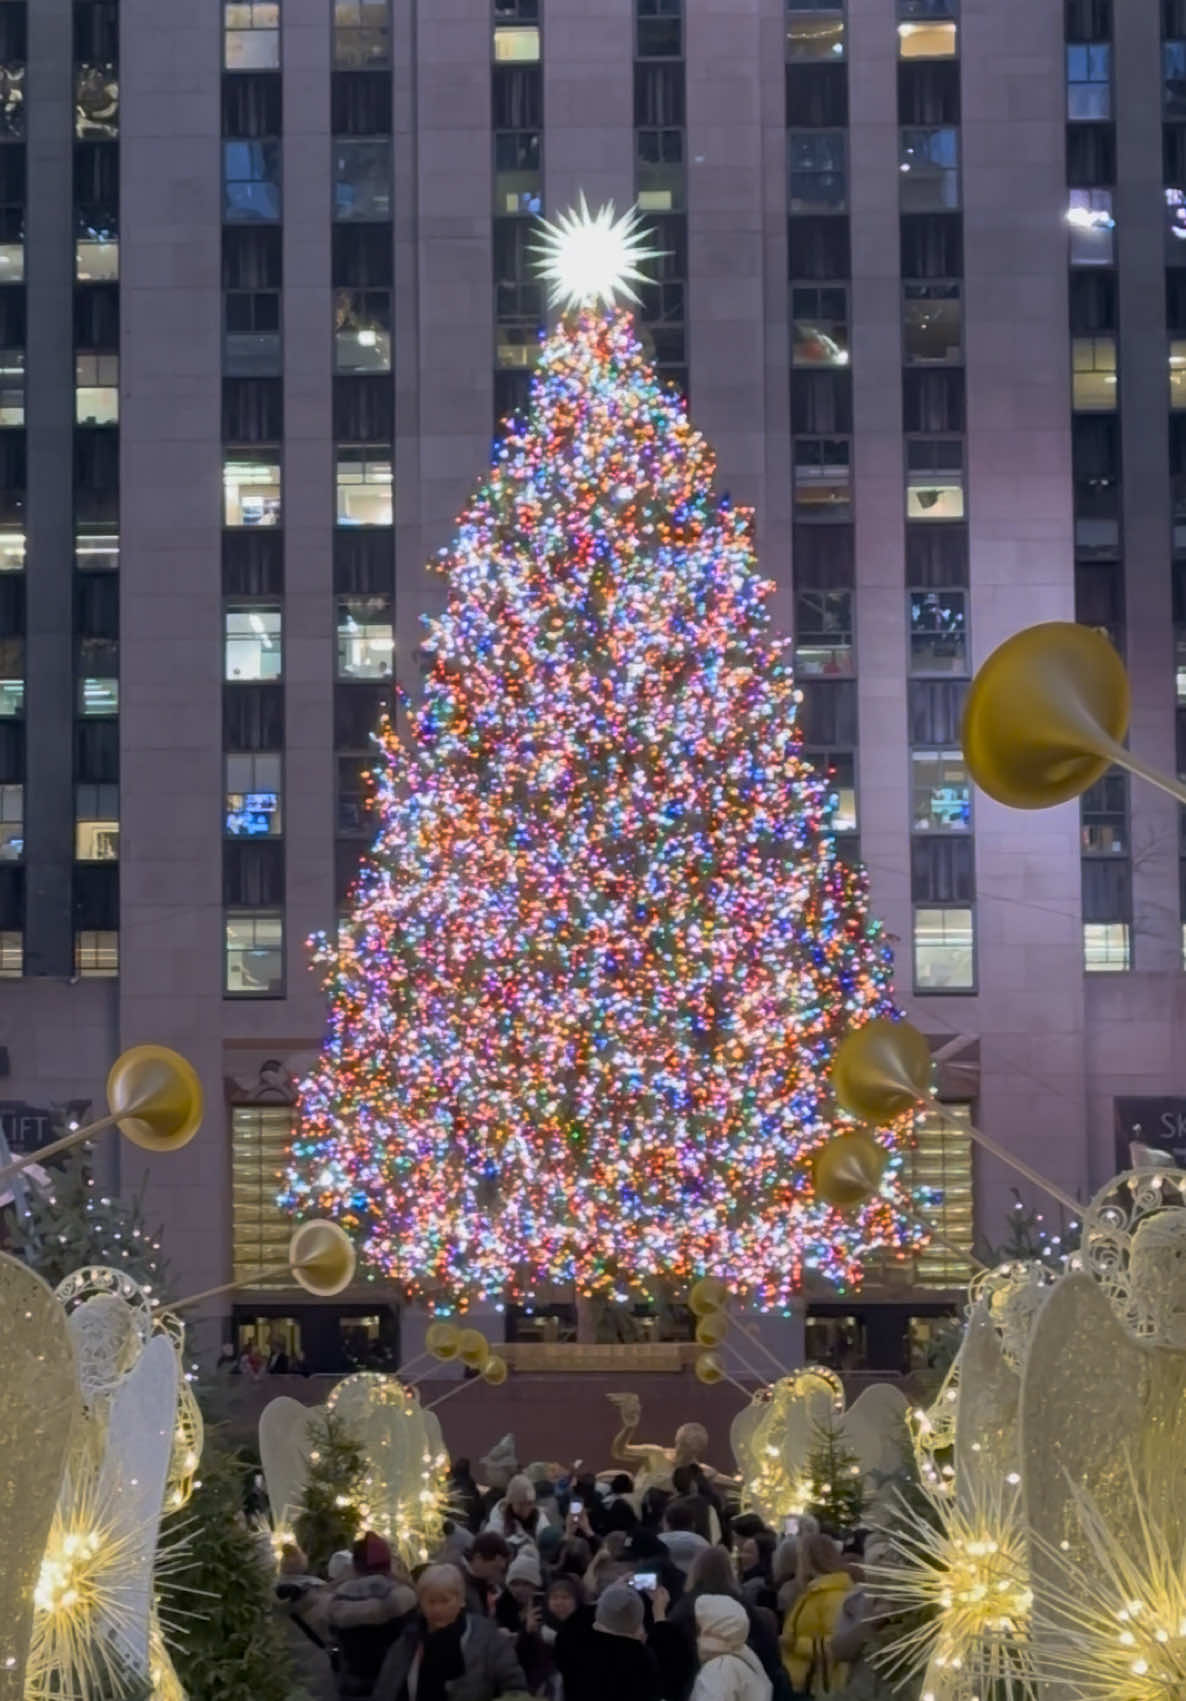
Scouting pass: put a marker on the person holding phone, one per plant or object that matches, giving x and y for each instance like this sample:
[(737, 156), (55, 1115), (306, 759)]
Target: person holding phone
[(614, 1662)]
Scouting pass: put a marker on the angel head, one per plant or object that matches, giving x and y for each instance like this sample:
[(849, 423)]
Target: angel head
[(1157, 1277), (1014, 1304)]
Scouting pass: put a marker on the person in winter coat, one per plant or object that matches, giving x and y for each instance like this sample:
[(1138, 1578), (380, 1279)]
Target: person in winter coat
[(485, 1572), (366, 1614), (807, 1630), (614, 1663), (446, 1653), (516, 1517), (729, 1670), (712, 1574)]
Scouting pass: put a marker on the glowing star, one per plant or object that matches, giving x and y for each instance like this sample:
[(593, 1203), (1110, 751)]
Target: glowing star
[(592, 259)]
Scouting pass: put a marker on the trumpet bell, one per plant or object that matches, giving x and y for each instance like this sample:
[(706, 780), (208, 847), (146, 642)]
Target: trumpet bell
[(155, 1097), (848, 1170), (321, 1257), (494, 1371), (1044, 715), (881, 1070), (473, 1349), (707, 1295)]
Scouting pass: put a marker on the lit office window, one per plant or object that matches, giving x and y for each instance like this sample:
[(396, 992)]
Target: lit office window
[(929, 169), (937, 1173), (96, 389), (366, 637), (12, 387), (815, 32), (1106, 947), (254, 644), (254, 954), (362, 34), (823, 632), (12, 823), (1093, 374), (838, 769), (938, 631), (12, 955), (12, 699), (941, 792), (364, 486), (260, 1230), (96, 823), (819, 325), (96, 954), (1091, 225), (251, 488), (516, 44), (250, 181), (518, 177), (12, 549), (95, 546), (944, 950), (96, 257), (934, 478), (822, 477), (98, 696), (96, 103), (252, 38), (253, 796), (1104, 817), (927, 41), (362, 330)]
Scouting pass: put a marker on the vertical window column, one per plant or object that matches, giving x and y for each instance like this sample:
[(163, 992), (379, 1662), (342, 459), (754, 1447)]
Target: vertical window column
[(253, 505), (823, 546), (13, 54), (364, 415), (942, 860), (517, 118), (660, 140)]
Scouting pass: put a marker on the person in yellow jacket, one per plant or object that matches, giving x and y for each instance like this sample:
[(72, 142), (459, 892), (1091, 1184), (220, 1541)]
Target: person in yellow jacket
[(806, 1639)]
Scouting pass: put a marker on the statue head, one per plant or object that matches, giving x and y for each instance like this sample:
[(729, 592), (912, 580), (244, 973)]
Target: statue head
[(691, 1442), (1157, 1277)]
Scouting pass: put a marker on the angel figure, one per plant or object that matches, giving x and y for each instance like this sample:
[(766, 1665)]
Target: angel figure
[(653, 1464), (1103, 1404)]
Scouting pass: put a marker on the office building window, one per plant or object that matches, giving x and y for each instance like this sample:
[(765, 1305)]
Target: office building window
[(364, 485), (96, 546), (253, 796), (1091, 226), (12, 822), (362, 330), (660, 170), (252, 345), (815, 33), (823, 632), (366, 637), (934, 39), (362, 179), (254, 646), (822, 478), (929, 169), (934, 478), (819, 325), (260, 1230), (837, 768), (96, 954), (1174, 72), (362, 34), (660, 29), (96, 389), (96, 823), (1178, 372), (940, 792), (12, 387), (937, 1170), (932, 324), (1093, 374), (518, 179), (250, 181), (251, 487), (944, 950), (1106, 947), (516, 44), (938, 631), (1089, 80), (98, 697), (251, 40), (12, 955), (818, 171), (1104, 817), (254, 954)]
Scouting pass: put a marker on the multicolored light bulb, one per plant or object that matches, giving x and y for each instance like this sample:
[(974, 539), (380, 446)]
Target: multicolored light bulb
[(582, 1012)]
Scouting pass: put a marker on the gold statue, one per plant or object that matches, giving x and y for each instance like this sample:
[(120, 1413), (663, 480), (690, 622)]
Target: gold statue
[(653, 1464)]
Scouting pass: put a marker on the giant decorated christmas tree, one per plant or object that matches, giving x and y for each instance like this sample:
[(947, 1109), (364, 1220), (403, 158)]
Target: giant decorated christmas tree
[(582, 1011)]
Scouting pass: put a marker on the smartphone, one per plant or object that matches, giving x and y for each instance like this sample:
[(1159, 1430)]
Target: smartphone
[(576, 1507), (645, 1582), (790, 1526)]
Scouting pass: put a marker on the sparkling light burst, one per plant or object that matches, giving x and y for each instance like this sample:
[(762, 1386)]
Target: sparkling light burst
[(963, 1567), (583, 1009), (1115, 1629), (592, 259)]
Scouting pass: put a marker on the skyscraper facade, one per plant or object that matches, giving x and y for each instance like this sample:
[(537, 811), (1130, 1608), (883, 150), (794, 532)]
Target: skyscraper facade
[(265, 288)]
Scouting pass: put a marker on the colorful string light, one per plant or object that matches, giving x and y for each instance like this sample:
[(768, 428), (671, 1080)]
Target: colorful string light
[(599, 958)]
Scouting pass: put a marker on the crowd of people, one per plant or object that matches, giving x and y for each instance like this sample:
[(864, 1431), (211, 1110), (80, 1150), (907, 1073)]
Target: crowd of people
[(576, 1588)]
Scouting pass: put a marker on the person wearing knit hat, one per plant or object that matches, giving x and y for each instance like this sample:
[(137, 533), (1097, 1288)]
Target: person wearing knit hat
[(517, 1517), (524, 1575), (729, 1670), (367, 1613), (612, 1662)]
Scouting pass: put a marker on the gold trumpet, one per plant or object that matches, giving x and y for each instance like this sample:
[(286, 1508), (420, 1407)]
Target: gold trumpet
[(154, 1098), (321, 1257)]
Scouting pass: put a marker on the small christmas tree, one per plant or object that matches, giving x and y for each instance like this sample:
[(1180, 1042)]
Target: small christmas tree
[(227, 1639), (835, 1486), (583, 1010), (1029, 1239), (330, 1518), (71, 1223)]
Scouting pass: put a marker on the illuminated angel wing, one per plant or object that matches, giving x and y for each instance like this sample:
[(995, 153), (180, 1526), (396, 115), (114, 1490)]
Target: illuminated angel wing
[(1082, 1392), (403, 1445), (285, 1442), (39, 1400), (987, 1406), (875, 1425), (134, 1475)]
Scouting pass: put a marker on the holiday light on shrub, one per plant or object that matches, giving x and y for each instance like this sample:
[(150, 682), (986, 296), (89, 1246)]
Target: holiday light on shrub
[(586, 999)]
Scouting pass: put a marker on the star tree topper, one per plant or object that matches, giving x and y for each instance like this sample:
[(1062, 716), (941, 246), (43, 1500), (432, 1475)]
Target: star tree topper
[(592, 259)]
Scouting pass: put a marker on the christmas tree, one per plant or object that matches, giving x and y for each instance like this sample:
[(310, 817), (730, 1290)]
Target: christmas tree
[(583, 1007), (835, 1487), (330, 1519)]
